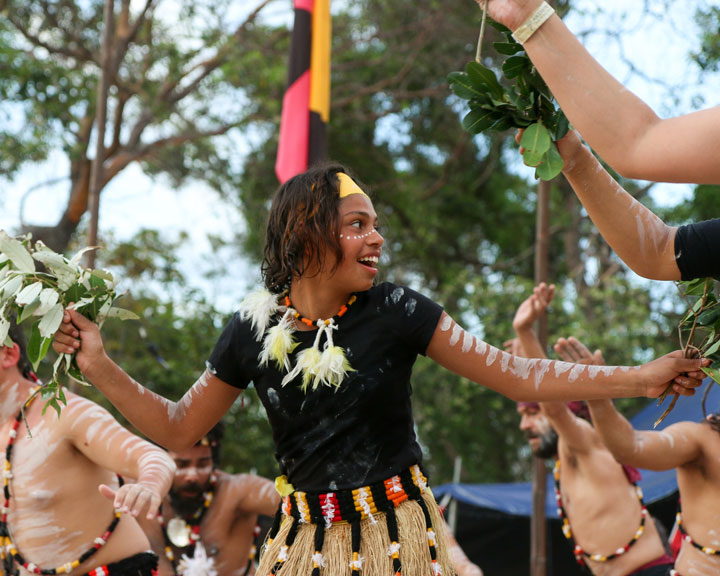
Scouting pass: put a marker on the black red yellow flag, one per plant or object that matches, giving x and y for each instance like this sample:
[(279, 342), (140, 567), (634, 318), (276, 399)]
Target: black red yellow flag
[(306, 104)]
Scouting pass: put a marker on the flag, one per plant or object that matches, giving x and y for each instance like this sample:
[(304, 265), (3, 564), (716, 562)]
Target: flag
[(306, 104)]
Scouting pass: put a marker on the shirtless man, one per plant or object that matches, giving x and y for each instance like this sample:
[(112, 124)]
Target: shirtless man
[(604, 517), (693, 448), (210, 516), (60, 483)]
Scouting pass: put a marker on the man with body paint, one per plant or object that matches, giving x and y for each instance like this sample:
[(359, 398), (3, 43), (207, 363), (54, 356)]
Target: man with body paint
[(209, 519), (693, 449), (66, 506), (603, 514)]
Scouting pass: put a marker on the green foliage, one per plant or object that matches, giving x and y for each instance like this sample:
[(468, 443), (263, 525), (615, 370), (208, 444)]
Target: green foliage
[(42, 296), (699, 329), (708, 56), (526, 103), (183, 92)]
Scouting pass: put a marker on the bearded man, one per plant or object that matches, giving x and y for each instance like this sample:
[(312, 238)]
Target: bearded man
[(601, 506), (208, 523)]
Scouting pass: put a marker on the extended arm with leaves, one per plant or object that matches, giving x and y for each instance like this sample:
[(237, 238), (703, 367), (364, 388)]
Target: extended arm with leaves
[(41, 295)]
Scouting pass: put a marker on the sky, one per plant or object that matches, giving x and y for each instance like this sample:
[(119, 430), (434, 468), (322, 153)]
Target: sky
[(132, 201)]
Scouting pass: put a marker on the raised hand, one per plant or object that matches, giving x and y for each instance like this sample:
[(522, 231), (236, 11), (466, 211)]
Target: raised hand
[(80, 336), (572, 350), (511, 13), (533, 307)]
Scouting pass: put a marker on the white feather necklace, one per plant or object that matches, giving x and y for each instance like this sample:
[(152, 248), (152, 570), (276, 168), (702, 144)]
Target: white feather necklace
[(321, 364)]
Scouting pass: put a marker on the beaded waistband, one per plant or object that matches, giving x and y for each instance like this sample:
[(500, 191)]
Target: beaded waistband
[(324, 509), (358, 503)]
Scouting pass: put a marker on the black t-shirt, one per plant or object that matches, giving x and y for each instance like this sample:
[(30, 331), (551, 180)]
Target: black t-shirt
[(697, 249), (357, 434)]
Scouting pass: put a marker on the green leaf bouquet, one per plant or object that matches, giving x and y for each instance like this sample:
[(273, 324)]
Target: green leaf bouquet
[(39, 295), (699, 330), (524, 103)]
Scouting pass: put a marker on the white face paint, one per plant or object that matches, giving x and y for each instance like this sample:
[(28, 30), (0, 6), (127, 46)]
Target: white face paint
[(359, 236)]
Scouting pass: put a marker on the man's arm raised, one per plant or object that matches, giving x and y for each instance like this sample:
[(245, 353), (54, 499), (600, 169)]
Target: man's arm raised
[(675, 446)]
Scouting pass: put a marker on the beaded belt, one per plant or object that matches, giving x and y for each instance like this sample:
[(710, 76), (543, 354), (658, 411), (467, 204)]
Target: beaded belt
[(687, 538), (352, 506), (578, 550)]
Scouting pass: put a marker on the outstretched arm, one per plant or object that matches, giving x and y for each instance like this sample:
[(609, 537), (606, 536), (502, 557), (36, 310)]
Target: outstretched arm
[(641, 240), (94, 432), (175, 425), (678, 444), (538, 380), (614, 121)]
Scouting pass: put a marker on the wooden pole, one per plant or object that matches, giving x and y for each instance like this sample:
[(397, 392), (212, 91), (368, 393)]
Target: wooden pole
[(538, 525), (96, 170), (538, 535)]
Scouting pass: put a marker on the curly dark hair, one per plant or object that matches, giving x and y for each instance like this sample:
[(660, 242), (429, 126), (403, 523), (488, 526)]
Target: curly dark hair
[(16, 335), (302, 225)]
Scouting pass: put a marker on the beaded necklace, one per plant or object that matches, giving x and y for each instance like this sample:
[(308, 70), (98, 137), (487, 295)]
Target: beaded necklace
[(10, 555), (707, 550), (327, 367), (580, 554), (185, 532), (319, 321)]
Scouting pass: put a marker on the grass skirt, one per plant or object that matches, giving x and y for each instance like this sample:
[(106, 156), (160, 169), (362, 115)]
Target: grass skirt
[(374, 543)]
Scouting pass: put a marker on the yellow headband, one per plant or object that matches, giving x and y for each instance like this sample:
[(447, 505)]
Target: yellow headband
[(348, 186)]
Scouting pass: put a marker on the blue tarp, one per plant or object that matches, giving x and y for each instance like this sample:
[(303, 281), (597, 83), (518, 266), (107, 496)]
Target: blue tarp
[(516, 498)]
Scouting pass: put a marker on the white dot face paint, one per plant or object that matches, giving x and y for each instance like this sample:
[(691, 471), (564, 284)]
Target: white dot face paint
[(358, 236), (446, 323)]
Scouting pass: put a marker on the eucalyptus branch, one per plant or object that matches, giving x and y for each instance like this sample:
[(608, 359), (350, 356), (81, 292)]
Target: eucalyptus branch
[(702, 324), (526, 103), (41, 297)]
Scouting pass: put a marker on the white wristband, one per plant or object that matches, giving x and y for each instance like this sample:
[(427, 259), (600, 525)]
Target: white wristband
[(534, 21)]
